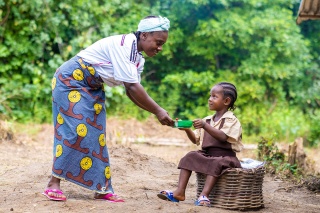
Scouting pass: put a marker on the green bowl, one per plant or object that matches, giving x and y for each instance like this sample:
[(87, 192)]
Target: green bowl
[(183, 124)]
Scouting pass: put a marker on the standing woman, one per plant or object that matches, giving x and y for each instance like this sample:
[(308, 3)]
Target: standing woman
[(78, 105)]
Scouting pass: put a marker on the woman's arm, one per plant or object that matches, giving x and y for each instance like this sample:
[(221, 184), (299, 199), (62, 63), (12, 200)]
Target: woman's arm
[(140, 97), (135, 101)]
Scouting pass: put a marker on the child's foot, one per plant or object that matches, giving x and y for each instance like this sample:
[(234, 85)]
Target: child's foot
[(202, 201), (178, 196), (168, 195)]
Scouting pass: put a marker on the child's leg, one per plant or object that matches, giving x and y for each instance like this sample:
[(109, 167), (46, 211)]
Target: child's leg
[(208, 185), (180, 192), (203, 199)]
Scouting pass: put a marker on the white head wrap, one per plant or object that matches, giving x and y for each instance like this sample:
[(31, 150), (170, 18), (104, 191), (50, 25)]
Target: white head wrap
[(154, 24)]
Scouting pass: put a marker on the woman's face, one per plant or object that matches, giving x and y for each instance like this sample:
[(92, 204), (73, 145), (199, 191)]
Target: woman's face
[(151, 42)]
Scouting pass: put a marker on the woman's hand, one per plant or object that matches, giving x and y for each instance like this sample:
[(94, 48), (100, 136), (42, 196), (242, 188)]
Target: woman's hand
[(164, 118)]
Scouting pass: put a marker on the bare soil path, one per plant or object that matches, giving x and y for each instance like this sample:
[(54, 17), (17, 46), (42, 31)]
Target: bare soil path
[(139, 172)]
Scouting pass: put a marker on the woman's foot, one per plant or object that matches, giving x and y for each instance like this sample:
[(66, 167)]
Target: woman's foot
[(108, 197), (53, 191), (54, 194)]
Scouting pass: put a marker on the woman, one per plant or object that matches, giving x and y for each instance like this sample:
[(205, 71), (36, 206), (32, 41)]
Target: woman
[(78, 103)]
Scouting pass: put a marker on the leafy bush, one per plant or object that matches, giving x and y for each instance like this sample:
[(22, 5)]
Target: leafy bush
[(275, 160), (314, 130), (256, 45)]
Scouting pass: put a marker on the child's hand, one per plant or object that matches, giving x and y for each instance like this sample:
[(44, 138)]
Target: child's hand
[(198, 123)]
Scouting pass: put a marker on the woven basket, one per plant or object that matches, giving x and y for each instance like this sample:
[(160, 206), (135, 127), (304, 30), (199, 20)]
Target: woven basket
[(237, 188)]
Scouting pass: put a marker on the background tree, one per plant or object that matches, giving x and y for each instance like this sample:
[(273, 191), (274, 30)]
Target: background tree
[(254, 44)]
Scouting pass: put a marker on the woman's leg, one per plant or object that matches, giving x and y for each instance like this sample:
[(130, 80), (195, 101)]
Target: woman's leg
[(180, 192)]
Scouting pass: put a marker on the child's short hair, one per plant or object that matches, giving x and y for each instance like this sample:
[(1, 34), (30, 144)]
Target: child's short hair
[(229, 90)]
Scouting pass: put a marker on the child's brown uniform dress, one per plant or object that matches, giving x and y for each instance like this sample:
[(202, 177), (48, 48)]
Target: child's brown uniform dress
[(215, 157)]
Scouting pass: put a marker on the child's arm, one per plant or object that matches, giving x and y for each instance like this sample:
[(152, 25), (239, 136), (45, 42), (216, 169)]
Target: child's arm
[(191, 135), (216, 133)]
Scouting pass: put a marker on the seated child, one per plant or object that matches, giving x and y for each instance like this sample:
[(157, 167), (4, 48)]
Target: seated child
[(220, 136)]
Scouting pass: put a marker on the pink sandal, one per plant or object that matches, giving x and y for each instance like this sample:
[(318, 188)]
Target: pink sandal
[(51, 197), (110, 197)]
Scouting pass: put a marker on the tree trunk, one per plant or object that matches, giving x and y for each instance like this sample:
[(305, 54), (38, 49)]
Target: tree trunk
[(296, 153)]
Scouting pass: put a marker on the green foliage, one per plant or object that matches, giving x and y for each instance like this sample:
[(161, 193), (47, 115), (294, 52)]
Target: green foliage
[(276, 118), (187, 93), (275, 160), (266, 57), (117, 104), (37, 36), (254, 44), (314, 130)]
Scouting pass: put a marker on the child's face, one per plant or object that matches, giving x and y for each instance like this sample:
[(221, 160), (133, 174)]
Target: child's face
[(216, 100)]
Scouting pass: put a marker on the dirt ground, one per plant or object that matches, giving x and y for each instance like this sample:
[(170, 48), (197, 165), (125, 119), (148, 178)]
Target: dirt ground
[(139, 172)]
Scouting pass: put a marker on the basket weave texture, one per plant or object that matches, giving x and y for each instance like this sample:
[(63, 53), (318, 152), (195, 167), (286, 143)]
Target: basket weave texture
[(237, 189)]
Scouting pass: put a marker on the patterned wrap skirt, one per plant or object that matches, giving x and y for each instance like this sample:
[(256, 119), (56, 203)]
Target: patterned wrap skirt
[(79, 115)]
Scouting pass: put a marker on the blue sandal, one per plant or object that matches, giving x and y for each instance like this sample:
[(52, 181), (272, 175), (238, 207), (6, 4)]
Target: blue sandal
[(202, 201), (167, 195)]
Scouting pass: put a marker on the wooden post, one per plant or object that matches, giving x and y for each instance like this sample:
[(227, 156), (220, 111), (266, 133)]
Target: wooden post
[(296, 153), (292, 153)]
